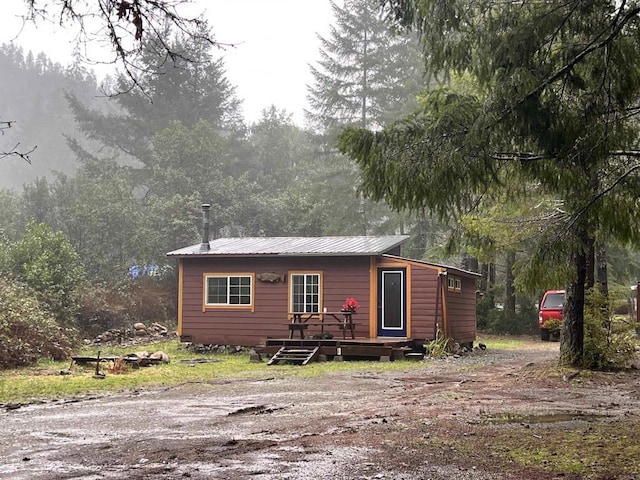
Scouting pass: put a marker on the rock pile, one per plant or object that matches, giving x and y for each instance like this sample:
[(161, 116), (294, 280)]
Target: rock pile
[(138, 335), (209, 348), (141, 330)]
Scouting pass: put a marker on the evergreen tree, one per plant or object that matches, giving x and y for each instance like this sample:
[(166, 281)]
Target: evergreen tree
[(33, 100), (188, 87), (557, 87), (366, 74)]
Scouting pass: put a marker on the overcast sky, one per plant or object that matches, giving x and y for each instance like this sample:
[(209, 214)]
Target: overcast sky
[(276, 41)]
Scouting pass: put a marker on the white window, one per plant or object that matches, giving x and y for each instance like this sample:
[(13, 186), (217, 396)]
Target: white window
[(305, 292), (228, 290)]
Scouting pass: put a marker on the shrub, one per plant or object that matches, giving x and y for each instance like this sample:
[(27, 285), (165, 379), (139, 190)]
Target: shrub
[(48, 263), (553, 325), (28, 332), (120, 305), (438, 347), (608, 343)]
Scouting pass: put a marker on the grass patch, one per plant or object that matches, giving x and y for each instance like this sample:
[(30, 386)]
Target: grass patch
[(44, 381), (501, 342), (597, 449), (593, 450)]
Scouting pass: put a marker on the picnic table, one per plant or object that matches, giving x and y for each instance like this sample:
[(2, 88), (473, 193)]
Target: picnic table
[(300, 321)]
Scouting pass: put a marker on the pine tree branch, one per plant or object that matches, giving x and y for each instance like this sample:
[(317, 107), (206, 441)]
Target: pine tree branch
[(124, 24), (602, 193), (590, 48)]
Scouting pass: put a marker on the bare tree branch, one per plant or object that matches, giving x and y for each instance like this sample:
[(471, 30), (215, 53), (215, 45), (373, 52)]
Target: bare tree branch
[(122, 24), (14, 152)]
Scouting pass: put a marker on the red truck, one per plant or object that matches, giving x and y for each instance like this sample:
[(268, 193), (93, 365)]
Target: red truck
[(551, 307)]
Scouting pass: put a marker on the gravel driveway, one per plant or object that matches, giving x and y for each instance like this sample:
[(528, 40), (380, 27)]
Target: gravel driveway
[(340, 426)]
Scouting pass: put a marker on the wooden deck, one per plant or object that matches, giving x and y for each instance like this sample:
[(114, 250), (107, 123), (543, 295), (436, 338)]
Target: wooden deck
[(348, 349)]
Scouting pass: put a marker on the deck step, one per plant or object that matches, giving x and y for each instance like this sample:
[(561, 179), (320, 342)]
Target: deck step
[(297, 355)]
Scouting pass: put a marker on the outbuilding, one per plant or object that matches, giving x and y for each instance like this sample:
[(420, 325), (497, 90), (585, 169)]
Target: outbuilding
[(244, 291)]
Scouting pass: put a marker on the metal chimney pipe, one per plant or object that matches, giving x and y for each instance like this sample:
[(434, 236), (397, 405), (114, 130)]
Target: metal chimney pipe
[(204, 246)]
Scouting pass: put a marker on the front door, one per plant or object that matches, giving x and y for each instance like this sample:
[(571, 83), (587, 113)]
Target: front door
[(391, 302)]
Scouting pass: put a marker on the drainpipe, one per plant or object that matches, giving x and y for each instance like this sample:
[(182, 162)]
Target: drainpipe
[(204, 246)]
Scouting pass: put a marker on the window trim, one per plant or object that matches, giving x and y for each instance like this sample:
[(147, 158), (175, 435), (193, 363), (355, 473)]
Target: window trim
[(291, 284), (242, 306), (454, 284)]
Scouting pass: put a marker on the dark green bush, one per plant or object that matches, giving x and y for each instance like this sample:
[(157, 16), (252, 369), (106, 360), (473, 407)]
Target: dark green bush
[(609, 342), (28, 331), (48, 263)]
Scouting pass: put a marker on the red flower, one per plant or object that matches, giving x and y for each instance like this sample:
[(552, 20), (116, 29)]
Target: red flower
[(351, 304)]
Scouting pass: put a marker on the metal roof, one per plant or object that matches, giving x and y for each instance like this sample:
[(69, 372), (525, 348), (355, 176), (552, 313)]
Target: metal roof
[(295, 246), (438, 265)]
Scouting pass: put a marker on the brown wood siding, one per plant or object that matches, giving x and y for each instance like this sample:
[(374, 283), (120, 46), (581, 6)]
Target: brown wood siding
[(424, 291), (341, 277), (461, 311)]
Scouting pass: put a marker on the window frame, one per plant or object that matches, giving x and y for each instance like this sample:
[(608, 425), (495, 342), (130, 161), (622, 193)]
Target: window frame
[(292, 296), (228, 275), (454, 283)]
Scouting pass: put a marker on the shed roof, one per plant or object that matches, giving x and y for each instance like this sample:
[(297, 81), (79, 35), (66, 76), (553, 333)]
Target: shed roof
[(439, 265), (294, 246)]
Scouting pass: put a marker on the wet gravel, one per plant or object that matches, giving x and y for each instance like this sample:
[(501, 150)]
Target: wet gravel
[(354, 425)]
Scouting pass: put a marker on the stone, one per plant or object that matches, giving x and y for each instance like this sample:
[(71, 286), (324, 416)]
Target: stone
[(160, 355), (255, 357)]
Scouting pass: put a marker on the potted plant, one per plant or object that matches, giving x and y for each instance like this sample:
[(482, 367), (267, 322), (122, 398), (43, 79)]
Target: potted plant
[(350, 305)]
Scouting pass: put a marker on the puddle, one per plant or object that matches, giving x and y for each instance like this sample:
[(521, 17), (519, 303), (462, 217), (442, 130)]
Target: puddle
[(532, 419)]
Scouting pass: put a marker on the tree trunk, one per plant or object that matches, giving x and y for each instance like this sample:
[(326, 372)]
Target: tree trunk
[(601, 265), (492, 274), (509, 290), (486, 285), (590, 274), (484, 279), (572, 338)]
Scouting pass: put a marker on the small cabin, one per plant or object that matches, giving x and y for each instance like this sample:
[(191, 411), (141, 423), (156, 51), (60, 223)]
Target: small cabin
[(243, 291)]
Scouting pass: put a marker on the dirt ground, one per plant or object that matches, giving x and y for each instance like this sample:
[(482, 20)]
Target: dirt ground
[(439, 419)]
